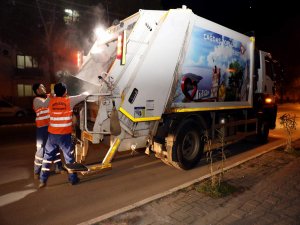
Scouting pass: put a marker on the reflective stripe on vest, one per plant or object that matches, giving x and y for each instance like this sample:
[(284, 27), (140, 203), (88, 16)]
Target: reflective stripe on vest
[(42, 117), (60, 116)]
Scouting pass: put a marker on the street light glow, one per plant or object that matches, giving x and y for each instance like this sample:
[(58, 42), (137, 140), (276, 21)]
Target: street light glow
[(69, 12), (101, 34)]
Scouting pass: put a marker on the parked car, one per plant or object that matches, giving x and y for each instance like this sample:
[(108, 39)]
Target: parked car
[(9, 110)]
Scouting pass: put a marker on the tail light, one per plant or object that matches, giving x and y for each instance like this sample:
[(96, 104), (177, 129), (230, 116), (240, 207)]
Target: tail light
[(79, 59), (121, 47)]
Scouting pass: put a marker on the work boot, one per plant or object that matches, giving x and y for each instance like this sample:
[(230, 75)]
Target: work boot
[(42, 184), (76, 181)]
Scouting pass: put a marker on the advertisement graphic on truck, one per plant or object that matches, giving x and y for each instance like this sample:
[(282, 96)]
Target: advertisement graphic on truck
[(216, 68)]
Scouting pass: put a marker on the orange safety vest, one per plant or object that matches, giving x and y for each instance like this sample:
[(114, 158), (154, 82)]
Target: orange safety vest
[(60, 115), (42, 117)]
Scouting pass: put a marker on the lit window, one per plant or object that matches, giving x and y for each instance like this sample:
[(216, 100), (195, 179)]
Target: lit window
[(24, 90), (20, 62), (27, 90), (20, 90), (25, 61), (28, 61), (71, 16)]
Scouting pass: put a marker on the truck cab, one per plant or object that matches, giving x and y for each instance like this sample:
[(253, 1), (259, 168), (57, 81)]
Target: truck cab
[(265, 93)]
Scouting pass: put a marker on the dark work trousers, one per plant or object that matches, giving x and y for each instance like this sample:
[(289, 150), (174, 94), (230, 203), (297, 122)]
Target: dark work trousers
[(64, 142), (41, 139)]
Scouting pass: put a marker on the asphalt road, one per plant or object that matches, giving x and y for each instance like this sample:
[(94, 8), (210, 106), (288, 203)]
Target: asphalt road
[(132, 179)]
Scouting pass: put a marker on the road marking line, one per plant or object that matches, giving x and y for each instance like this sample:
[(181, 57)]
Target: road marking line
[(14, 196)]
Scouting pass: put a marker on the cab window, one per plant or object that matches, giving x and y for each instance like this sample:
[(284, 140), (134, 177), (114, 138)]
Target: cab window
[(269, 68)]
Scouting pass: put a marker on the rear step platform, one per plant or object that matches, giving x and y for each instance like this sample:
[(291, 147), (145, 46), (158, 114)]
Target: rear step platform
[(76, 167), (86, 169)]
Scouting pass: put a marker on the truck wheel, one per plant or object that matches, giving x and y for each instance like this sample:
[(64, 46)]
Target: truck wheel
[(263, 131), (188, 146)]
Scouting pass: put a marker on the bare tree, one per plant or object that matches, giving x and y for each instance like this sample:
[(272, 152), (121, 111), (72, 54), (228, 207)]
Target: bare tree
[(289, 123), (48, 25)]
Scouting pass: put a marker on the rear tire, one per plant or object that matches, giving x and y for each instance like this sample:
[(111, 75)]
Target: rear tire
[(188, 146)]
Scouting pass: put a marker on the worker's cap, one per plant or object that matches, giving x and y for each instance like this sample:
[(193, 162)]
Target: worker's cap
[(60, 89), (35, 87)]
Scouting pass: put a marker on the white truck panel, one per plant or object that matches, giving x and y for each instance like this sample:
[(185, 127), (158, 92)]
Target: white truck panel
[(154, 76), (137, 44)]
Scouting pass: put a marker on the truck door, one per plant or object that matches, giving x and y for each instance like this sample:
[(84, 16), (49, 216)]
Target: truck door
[(269, 86)]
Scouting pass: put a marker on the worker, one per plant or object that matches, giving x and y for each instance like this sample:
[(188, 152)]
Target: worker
[(60, 130), (42, 122)]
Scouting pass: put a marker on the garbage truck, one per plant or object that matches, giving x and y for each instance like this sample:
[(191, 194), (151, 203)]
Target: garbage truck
[(167, 82)]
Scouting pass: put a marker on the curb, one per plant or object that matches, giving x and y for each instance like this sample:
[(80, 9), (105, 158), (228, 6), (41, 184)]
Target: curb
[(277, 144)]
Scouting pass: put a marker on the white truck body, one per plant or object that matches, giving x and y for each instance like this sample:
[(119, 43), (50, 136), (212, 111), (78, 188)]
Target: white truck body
[(178, 67)]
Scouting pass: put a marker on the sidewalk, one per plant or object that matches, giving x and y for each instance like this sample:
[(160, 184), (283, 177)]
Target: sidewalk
[(269, 194)]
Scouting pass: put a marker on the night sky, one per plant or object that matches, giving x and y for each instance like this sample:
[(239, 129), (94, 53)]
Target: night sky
[(276, 24)]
